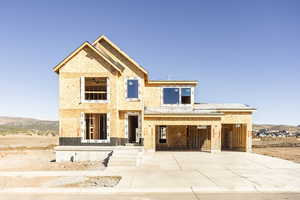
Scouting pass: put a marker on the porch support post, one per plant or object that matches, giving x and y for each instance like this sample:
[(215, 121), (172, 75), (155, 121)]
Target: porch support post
[(249, 137), (149, 137), (216, 137)]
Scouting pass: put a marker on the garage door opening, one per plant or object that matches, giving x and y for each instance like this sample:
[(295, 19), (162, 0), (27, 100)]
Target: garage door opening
[(234, 137), (183, 138)]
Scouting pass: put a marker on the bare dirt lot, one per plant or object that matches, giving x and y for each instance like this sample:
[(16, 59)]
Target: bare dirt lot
[(28, 153), (287, 153), (27, 142), (59, 181)]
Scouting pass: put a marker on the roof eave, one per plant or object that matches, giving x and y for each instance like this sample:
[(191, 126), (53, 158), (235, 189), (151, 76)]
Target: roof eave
[(103, 37), (185, 114), (230, 109)]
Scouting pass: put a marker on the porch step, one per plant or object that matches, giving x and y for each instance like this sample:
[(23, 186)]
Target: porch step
[(132, 144), (125, 157)]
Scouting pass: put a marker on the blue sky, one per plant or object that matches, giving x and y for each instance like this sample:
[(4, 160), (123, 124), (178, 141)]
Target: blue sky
[(240, 51)]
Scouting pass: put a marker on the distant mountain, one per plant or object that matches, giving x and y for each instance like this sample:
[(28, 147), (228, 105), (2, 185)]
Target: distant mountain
[(276, 127), (17, 125)]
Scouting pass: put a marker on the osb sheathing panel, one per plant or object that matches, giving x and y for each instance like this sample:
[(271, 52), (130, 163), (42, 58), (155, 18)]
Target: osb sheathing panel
[(236, 118), (152, 96), (121, 131), (85, 63), (129, 71), (87, 57), (69, 127)]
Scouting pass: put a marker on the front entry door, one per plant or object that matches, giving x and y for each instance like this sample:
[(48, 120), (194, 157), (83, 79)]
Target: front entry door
[(133, 125)]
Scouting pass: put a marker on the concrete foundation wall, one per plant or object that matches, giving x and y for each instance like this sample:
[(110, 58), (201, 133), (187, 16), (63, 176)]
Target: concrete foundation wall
[(76, 154)]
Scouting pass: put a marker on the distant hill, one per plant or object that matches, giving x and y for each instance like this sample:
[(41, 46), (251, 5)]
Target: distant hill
[(277, 127), (18, 125)]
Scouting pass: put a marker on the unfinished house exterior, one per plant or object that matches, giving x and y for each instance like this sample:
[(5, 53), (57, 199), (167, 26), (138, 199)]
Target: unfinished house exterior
[(107, 100)]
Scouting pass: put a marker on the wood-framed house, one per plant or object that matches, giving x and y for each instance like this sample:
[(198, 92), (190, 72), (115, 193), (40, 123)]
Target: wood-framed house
[(106, 99)]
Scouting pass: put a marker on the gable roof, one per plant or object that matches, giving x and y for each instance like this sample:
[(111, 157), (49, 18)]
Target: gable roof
[(102, 37), (85, 44)]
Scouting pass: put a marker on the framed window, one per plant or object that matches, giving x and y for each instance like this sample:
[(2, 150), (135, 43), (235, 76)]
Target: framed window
[(95, 88), (185, 95), (162, 134), (95, 126), (170, 95), (133, 88)]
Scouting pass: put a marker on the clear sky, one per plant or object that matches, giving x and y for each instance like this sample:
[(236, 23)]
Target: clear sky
[(240, 51)]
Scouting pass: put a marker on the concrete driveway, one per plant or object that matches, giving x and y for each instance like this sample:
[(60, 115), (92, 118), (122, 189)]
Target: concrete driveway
[(200, 171)]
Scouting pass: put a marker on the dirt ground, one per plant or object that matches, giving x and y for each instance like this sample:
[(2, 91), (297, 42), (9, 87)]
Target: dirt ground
[(27, 141), (29, 153), (287, 153), (59, 181)]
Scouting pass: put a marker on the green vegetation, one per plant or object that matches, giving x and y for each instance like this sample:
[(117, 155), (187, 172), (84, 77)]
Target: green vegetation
[(10, 125)]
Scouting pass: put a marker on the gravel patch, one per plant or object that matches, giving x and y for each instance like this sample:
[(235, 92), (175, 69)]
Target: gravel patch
[(98, 181)]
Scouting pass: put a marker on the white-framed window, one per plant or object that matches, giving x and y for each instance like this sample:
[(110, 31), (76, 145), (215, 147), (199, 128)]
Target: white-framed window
[(95, 127), (177, 95), (162, 134), (133, 88), (94, 89)]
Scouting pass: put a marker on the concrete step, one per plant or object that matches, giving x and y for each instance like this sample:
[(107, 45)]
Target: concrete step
[(132, 144), (123, 163), (133, 151), (127, 156), (122, 158)]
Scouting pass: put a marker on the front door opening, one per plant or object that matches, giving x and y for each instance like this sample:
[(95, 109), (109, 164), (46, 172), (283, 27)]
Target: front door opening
[(133, 125)]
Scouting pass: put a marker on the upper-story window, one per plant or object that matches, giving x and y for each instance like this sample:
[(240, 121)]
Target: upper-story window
[(171, 95), (177, 95), (132, 89), (186, 95), (95, 88)]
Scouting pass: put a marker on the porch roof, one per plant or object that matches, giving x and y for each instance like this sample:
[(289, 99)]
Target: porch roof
[(222, 106), (178, 110)]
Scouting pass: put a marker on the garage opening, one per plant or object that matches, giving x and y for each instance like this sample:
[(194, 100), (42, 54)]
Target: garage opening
[(183, 138), (234, 137)]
